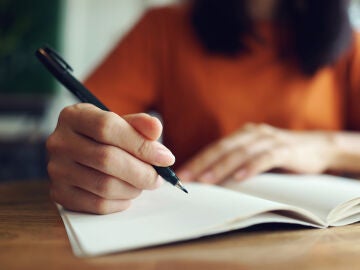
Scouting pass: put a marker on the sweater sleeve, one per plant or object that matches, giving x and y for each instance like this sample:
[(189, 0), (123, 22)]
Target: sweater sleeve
[(127, 80)]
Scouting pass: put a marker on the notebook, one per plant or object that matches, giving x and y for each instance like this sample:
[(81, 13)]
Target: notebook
[(167, 215)]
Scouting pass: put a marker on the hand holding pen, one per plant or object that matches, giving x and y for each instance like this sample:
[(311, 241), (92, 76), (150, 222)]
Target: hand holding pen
[(100, 161)]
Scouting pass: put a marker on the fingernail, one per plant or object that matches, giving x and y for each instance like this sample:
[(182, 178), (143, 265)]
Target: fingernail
[(164, 156), (240, 175), (185, 176), (208, 177)]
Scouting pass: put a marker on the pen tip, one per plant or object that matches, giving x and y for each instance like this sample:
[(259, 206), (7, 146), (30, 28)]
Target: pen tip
[(180, 186)]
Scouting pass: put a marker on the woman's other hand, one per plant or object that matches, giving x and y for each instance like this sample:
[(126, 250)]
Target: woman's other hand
[(258, 148)]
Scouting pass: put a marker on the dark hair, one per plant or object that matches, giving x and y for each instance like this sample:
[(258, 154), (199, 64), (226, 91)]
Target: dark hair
[(319, 30)]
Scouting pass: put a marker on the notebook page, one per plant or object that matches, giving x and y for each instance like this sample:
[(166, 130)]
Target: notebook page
[(72, 239), (162, 216), (318, 194)]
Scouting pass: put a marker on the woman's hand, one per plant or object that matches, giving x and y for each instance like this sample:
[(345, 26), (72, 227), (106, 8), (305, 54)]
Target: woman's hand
[(259, 148), (99, 161)]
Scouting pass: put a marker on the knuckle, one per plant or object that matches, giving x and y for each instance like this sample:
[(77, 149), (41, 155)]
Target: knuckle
[(145, 179), (222, 145), (266, 130), (227, 144), (52, 143), (138, 179), (248, 126), (144, 148), (81, 106), (104, 185), (103, 156), (262, 126), (105, 125), (244, 151), (67, 113)]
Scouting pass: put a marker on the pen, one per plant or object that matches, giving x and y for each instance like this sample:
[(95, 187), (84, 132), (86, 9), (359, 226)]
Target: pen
[(61, 70)]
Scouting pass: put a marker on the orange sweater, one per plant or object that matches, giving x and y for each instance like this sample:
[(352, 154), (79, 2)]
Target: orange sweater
[(160, 65)]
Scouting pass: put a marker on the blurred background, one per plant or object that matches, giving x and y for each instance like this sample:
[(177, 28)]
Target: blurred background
[(83, 31)]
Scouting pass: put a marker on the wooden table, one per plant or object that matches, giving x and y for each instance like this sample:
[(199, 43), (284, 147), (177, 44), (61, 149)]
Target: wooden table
[(32, 236)]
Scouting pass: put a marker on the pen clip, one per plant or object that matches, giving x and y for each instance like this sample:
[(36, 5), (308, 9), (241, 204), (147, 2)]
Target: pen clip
[(58, 59)]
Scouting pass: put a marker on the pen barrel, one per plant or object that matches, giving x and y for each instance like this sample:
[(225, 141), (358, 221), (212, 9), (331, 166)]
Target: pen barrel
[(167, 174), (61, 73), (82, 93)]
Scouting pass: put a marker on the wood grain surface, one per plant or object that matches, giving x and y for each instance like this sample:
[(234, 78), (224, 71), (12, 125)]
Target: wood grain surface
[(32, 236)]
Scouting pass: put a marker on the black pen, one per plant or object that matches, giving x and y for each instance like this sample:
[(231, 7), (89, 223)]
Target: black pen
[(57, 66)]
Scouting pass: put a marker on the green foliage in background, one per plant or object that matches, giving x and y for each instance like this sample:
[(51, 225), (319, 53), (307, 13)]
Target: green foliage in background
[(24, 26)]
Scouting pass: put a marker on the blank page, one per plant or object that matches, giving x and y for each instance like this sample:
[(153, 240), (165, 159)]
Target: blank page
[(162, 216), (318, 194)]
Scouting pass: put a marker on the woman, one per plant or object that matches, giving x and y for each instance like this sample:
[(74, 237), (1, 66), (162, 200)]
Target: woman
[(243, 87)]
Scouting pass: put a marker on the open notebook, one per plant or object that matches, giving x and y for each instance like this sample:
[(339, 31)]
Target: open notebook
[(167, 215)]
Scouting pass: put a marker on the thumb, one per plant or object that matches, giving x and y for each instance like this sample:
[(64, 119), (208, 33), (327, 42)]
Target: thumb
[(148, 126)]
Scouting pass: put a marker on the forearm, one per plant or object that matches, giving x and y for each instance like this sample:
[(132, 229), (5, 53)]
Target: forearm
[(346, 152)]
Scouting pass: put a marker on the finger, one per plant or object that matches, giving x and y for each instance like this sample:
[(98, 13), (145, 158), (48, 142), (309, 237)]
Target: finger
[(262, 128), (150, 127), (100, 184), (109, 128), (76, 199), (236, 158), (265, 161), (107, 159), (205, 159), (249, 126)]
